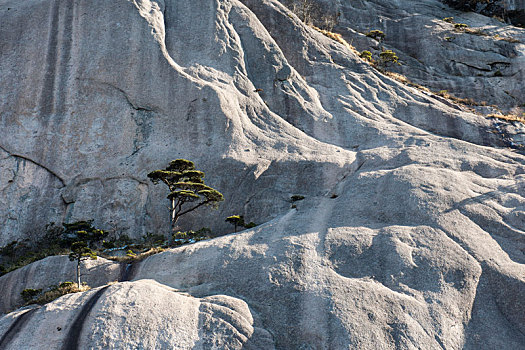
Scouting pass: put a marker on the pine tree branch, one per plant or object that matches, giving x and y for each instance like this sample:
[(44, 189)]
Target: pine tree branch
[(195, 207)]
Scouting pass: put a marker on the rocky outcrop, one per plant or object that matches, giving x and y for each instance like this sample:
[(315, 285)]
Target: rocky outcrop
[(52, 271), (410, 234), (511, 10), (484, 62), (156, 317), (92, 118)]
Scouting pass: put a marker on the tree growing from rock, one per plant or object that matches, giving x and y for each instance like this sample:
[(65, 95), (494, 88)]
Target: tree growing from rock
[(84, 231), (388, 57), (376, 34), (80, 252), (187, 189), (236, 220)]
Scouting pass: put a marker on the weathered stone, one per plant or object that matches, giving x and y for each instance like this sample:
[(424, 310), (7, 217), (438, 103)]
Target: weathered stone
[(488, 67), (512, 10), (410, 234), (52, 271), (144, 315)]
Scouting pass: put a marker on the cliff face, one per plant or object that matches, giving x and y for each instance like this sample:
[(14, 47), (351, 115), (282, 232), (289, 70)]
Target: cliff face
[(113, 91), (484, 62), (510, 10), (410, 234)]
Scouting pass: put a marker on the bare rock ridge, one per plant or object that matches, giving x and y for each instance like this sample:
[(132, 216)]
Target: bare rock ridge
[(166, 319), (411, 233), (485, 62)]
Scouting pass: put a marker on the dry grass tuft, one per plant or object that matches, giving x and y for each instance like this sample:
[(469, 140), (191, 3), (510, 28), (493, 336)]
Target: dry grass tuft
[(337, 37), (465, 101), (58, 291), (508, 39), (129, 258), (509, 117), (403, 79), (475, 31)]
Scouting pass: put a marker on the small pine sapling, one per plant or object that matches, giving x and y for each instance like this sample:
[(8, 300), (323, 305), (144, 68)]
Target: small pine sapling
[(366, 55), (388, 56), (251, 224), (236, 220), (80, 252), (376, 34)]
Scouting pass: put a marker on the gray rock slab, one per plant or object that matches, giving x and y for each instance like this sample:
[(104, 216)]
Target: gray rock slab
[(411, 231)]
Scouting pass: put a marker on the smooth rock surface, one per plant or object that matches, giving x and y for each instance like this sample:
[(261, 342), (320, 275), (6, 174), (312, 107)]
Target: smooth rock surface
[(411, 233), (144, 315)]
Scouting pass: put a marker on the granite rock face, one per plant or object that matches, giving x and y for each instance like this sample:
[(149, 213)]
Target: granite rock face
[(52, 271), (156, 317), (485, 62), (116, 90), (511, 10), (411, 233)]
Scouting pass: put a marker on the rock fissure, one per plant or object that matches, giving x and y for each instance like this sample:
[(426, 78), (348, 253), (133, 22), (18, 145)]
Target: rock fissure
[(473, 67), (130, 102), (16, 328), (62, 181), (72, 340)]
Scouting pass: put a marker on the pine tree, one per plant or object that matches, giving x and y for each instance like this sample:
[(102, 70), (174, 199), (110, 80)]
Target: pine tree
[(84, 231), (187, 189), (236, 220), (79, 252)]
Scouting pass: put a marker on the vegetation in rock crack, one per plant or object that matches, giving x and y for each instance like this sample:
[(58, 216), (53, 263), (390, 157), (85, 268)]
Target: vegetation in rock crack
[(337, 37), (509, 117), (187, 189), (39, 296), (460, 26), (376, 34), (508, 39), (388, 57), (186, 237), (313, 14), (366, 55), (443, 93), (251, 224), (29, 294), (238, 221), (56, 240), (296, 197), (133, 255), (80, 252), (235, 220), (465, 101)]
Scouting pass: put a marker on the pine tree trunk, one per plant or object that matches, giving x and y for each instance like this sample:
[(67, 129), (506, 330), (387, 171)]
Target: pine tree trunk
[(172, 212), (78, 273), (173, 216)]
